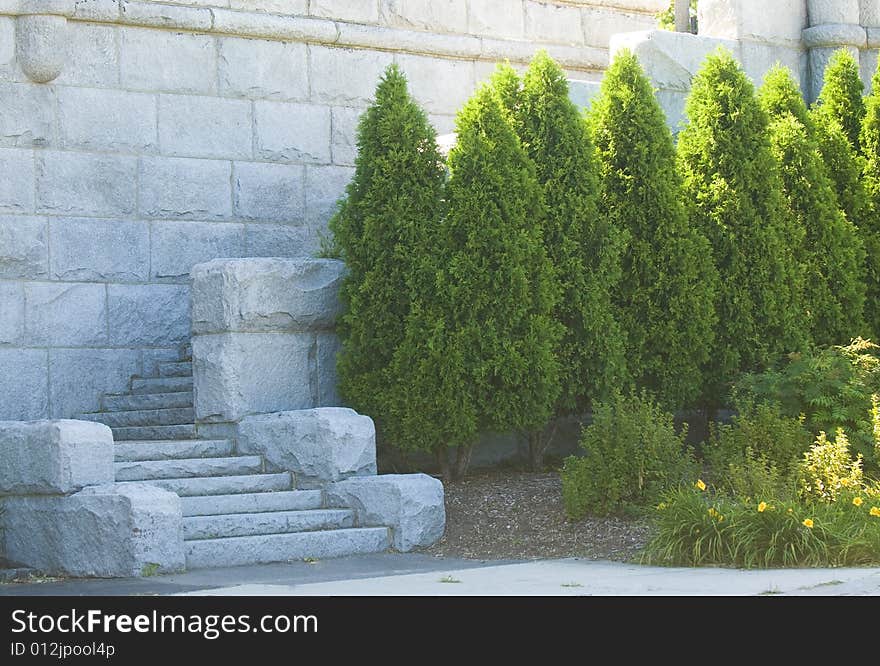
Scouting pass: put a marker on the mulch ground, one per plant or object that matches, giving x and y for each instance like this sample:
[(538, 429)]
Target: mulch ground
[(518, 515)]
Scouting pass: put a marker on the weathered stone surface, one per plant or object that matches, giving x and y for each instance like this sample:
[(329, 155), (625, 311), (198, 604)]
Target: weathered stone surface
[(41, 46), (79, 377), (266, 295), (178, 246), (360, 11), (325, 186), (446, 15), (7, 47), (343, 142), (601, 23), (780, 21), (292, 132), (486, 19), (440, 86), (12, 307), (95, 119), (97, 250), (330, 73), (819, 58), (869, 13), (24, 388), (205, 126), (275, 6), (178, 187), (65, 314), (152, 314), (583, 93), (86, 183), (410, 504), (24, 245), (318, 445), (53, 457), (279, 240), (868, 62), (102, 10), (263, 191), (832, 11), (263, 69), (551, 22), (17, 184), (97, 60), (109, 530), (757, 59), (163, 61), (328, 381), (27, 118), (837, 34)]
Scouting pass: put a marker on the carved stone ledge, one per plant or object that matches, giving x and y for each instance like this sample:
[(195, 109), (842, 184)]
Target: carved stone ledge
[(41, 46)]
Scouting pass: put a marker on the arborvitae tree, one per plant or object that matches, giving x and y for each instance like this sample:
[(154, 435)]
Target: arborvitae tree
[(665, 301), (479, 348), (583, 245), (392, 202), (734, 195), (841, 96), (832, 254)]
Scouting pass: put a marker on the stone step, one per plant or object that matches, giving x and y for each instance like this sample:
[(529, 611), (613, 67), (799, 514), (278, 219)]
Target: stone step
[(235, 551), (172, 449), (273, 522), (187, 468), (128, 402), (175, 369), (187, 431), (227, 485), (160, 384), (143, 417), (291, 500)]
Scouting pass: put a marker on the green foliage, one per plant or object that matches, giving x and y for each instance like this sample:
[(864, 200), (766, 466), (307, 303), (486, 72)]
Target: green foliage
[(392, 204), (734, 193), (832, 254), (632, 454), (831, 387), (869, 222), (665, 299), (827, 469), (583, 245), (478, 349), (841, 97)]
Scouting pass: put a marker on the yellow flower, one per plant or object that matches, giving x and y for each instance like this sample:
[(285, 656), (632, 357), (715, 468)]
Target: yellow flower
[(661, 506), (790, 511), (844, 482), (699, 484), (875, 511), (762, 507), (808, 523), (857, 501), (720, 518)]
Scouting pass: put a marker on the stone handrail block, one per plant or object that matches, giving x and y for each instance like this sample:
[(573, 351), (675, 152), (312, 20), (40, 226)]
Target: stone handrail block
[(835, 34)]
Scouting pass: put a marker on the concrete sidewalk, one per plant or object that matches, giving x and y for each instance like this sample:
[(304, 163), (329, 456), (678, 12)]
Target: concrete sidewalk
[(415, 574)]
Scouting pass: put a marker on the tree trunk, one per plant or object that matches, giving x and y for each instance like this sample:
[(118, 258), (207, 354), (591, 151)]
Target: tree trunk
[(443, 461), (462, 460), (536, 451), (682, 16)]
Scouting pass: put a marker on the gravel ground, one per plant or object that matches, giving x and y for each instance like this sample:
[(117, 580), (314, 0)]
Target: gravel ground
[(515, 515)]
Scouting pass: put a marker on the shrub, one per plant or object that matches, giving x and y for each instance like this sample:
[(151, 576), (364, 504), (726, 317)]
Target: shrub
[(478, 350), (734, 194), (828, 468), (841, 97), (665, 298), (832, 253), (632, 454), (391, 204)]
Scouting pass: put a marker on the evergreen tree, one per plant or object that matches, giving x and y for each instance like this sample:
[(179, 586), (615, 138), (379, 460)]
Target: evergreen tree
[(841, 96), (734, 194), (666, 298), (832, 254), (479, 348), (869, 216), (393, 201)]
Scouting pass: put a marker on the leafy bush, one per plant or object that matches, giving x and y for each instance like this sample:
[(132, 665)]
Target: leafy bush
[(734, 194), (665, 298), (632, 454), (828, 468)]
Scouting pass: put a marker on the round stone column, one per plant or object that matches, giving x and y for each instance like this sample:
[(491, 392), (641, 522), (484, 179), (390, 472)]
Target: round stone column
[(834, 24)]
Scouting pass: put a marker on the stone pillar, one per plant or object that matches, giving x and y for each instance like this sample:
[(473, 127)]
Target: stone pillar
[(834, 24), (263, 337), (870, 20)]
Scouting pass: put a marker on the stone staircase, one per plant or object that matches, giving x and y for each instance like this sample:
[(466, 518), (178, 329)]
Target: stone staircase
[(234, 511)]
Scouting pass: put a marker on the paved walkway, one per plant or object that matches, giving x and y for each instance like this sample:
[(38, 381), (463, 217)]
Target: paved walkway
[(397, 575)]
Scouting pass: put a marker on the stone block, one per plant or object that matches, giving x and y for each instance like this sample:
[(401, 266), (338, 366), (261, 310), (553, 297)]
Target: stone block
[(835, 35), (96, 59), (153, 357), (263, 69), (553, 23), (264, 191), (412, 505), (28, 115), (24, 388), (178, 246), (24, 245), (166, 61), (600, 24), (430, 15), (329, 345), (107, 120), (7, 48), (343, 138), (112, 530), (325, 186), (819, 58), (673, 102), (440, 86), (868, 64), (187, 188), (330, 72), (101, 10), (780, 21), (296, 7), (279, 240), (357, 11), (319, 446), (12, 307), (99, 250), (205, 126), (17, 184), (292, 132), (869, 13), (266, 295), (86, 183), (488, 18), (79, 377), (831, 11), (53, 457), (65, 314), (758, 58), (582, 93), (150, 314)]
